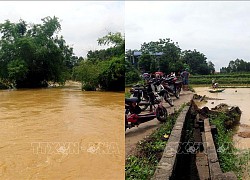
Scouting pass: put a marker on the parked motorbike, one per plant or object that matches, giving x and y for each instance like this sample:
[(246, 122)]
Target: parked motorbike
[(133, 116), (163, 92), (173, 86), (141, 92)]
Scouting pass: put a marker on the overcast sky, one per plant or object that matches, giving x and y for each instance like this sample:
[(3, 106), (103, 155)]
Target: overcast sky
[(82, 22), (219, 30)]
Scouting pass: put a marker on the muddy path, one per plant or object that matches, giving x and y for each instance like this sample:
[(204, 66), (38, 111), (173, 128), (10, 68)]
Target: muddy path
[(136, 134)]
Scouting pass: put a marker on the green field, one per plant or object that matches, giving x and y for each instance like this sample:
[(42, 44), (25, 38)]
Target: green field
[(222, 79)]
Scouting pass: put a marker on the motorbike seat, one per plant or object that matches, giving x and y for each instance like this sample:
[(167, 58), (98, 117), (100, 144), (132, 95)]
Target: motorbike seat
[(132, 99), (178, 82)]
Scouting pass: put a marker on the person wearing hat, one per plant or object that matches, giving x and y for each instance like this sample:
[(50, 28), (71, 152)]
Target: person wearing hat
[(185, 76)]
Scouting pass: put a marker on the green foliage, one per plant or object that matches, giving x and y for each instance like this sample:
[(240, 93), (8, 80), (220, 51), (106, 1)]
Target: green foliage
[(230, 158), (145, 63), (140, 168), (111, 75), (197, 62), (87, 73), (31, 55), (17, 69), (232, 78), (238, 65), (112, 38), (151, 62), (166, 56), (104, 68), (127, 94), (131, 73)]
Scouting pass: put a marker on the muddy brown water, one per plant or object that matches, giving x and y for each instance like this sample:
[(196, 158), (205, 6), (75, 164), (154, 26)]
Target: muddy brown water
[(233, 97), (61, 133)]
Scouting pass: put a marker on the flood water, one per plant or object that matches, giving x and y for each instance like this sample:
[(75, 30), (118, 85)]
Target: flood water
[(61, 133), (233, 97)]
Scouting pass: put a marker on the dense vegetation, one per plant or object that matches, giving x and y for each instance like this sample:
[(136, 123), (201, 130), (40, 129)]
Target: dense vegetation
[(230, 158), (223, 79), (236, 66), (103, 68), (31, 55)]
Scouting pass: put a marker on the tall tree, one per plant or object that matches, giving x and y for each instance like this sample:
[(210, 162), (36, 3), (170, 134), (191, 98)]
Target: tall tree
[(110, 68), (197, 61), (211, 67), (238, 65), (31, 55), (164, 52)]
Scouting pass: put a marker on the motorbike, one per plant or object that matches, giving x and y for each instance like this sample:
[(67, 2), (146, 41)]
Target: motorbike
[(133, 116), (173, 86), (163, 92), (142, 93)]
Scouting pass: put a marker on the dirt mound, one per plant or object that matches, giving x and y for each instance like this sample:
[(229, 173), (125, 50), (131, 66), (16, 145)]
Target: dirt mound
[(244, 134), (204, 98), (233, 113)]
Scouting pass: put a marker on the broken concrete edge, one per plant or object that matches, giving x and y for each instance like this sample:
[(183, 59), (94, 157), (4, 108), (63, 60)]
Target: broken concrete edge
[(167, 163), (213, 161)]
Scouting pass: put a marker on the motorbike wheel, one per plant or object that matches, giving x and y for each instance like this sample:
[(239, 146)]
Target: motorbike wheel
[(168, 99), (161, 114)]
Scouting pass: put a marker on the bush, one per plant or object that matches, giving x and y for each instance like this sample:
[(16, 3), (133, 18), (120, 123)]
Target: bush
[(230, 158)]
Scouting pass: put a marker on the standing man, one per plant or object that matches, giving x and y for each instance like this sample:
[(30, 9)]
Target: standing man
[(185, 76)]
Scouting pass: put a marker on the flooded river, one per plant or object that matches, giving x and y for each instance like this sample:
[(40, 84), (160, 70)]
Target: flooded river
[(233, 97), (61, 133)]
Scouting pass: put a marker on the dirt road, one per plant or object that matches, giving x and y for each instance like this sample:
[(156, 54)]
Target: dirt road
[(136, 134)]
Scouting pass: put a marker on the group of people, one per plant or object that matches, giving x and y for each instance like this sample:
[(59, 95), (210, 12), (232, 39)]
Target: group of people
[(184, 75)]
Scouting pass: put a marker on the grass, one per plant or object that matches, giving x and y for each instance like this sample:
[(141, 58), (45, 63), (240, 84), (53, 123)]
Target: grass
[(225, 79), (127, 94), (230, 158)]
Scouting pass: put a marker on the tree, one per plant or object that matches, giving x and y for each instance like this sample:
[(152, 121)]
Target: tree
[(144, 63), (111, 75), (211, 67), (196, 61), (31, 55), (112, 72), (109, 62), (238, 65), (87, 73), (131, 73), (164, 52)]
